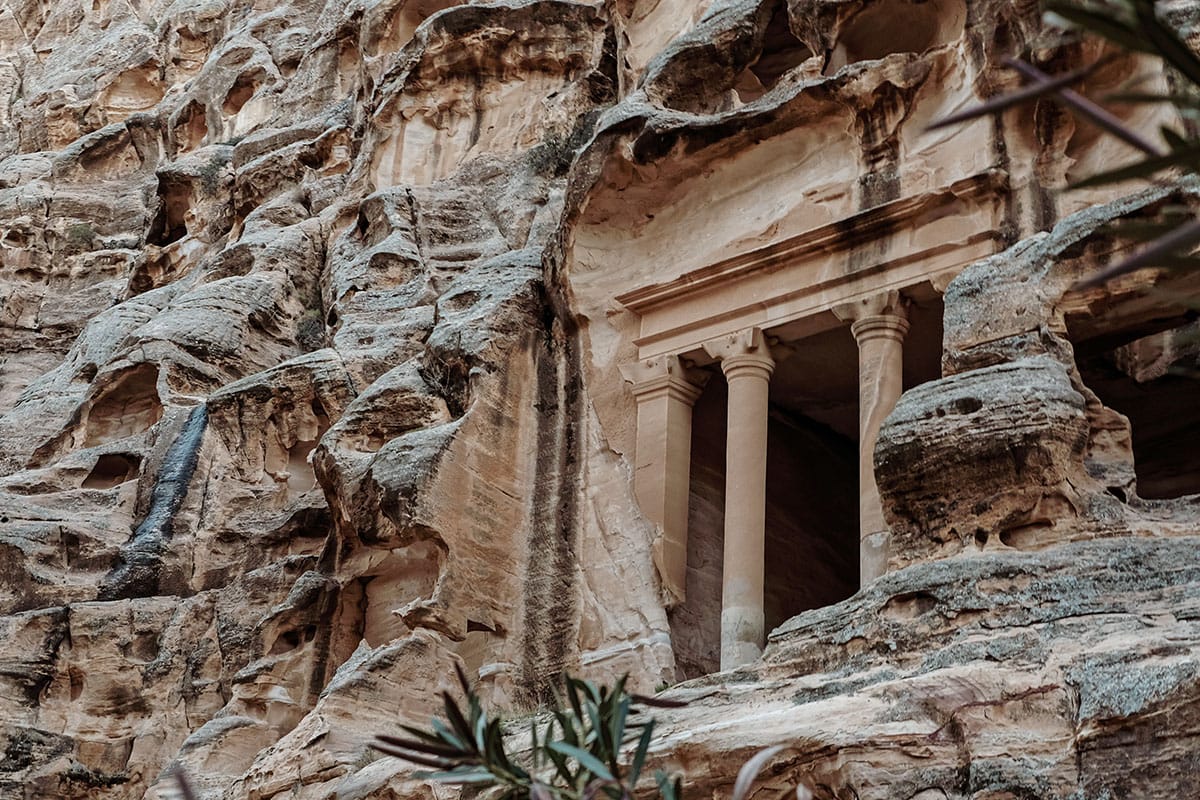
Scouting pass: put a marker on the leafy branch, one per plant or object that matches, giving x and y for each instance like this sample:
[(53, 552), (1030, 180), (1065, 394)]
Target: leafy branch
[(579, 754), (1134, 26)]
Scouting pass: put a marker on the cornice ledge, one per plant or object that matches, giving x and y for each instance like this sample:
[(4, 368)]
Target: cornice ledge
[(832, 237)]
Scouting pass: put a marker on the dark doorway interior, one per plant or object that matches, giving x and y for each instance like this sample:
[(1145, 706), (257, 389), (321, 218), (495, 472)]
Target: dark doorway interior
[(1155, 382), (812, 484)]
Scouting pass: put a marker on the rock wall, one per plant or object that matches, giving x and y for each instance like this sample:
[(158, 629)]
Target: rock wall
[(309, 388)]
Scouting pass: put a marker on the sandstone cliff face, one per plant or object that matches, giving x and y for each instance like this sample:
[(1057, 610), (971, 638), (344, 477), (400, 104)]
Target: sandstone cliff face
[(310, 386)]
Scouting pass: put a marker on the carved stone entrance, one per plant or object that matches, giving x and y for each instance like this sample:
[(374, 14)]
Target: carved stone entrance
[(743, 316)]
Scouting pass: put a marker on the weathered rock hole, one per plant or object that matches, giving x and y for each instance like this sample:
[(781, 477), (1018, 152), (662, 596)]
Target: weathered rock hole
[(781, 52), (981, 537), (1033, 536), (461, 301), (402, 24), (897, 26), (391, 269), (170, 223), (291, 639), (960, 407), (112, 469), (16, 239), (242, 90), (190, 51), (137, 89), (129, 406), (908, 606), (190, 128), (301, 477)]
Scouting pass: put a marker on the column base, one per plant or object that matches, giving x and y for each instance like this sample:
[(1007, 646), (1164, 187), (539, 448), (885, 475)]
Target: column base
[(872, 556), (742, 636)]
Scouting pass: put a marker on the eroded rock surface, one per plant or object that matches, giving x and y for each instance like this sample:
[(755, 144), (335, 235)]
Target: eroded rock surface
[(310, 387)]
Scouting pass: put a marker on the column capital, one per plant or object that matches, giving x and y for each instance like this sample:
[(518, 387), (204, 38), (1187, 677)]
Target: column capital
[(668, 376), (744, 351), (883, 326), (883, 315), (884, 304)]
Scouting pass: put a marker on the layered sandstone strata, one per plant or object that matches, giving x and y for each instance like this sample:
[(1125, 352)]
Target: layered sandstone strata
[(317, 324)]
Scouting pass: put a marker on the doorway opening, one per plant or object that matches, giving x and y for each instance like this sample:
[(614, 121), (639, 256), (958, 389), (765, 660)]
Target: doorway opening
[(812, 504)]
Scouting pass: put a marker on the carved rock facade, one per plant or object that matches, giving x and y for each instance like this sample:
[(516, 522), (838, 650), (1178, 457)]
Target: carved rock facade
[(344, 340)]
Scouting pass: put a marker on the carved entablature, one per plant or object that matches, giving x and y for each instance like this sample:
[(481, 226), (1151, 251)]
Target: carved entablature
[(792, 288)]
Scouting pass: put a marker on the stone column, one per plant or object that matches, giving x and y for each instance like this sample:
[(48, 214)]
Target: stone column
[(665, 390), (879, 326), (747, 364)]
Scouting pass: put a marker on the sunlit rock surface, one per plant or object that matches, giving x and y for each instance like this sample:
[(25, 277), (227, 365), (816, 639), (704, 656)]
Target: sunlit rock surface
[(310, 387)]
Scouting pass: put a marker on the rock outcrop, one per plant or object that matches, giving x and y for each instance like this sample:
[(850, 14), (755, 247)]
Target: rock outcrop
[(310, 387)]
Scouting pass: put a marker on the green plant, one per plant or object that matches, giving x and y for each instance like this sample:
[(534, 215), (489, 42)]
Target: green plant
[(1136, 26), (81, 235), (575, 756), (579, 754), (210, 173)]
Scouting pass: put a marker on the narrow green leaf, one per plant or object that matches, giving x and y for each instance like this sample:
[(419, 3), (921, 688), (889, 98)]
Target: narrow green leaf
[(462, 680), (1167, 43), (1167, 247), (480, 724), (618, 722), (449, 736), (560, 764), (639, 755), (573, 698), (659, 702), (458, 776), (456, 719), (1026, 94), (1100, 117), (567, 724), (1143, 169), (585, 759), (424, 761), (1174, 140), (423, 734), (668, 789), (599, 731), (421, 746)]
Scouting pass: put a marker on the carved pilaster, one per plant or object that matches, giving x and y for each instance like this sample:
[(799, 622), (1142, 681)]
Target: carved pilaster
[(665, 389)]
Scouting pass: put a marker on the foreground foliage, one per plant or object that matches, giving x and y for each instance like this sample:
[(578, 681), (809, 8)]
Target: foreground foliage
[(1133, 26), (595, 743)]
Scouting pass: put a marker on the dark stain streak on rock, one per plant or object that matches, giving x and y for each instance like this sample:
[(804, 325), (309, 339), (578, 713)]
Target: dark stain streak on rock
[(138, 571)]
